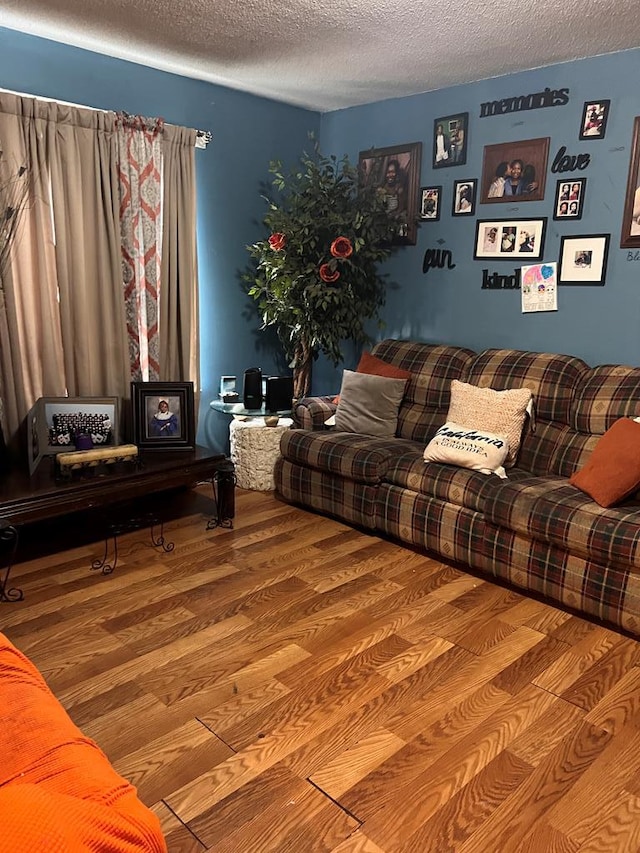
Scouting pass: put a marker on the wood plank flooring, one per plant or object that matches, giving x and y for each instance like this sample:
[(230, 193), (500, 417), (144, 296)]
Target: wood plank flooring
[(296, 685)]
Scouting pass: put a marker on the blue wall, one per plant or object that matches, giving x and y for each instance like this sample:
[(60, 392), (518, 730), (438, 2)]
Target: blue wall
[(600, 324), (248, 132)]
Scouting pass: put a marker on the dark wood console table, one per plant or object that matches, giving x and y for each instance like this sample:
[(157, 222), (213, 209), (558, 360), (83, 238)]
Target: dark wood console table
[(28, 499)]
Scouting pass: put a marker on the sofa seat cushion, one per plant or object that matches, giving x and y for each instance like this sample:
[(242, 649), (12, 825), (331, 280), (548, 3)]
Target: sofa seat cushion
[(459, 486), (361, 458), (551, 510)]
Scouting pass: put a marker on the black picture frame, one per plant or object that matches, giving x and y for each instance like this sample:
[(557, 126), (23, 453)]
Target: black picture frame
[(630, 237), (374, 166), (583, 259), (163, 427), (508, 239), (430, 203), (450, 138), (569, 200), (463, 202), (593, 124), (529, 183)]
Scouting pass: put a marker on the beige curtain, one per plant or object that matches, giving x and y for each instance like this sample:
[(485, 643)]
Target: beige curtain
[(62, 310), (179, 333), (62, 317)]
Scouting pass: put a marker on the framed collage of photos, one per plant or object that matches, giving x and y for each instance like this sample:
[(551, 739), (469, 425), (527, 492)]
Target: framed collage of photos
[(506, 239)]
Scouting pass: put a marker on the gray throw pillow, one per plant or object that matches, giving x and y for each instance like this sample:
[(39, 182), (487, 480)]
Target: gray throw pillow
[(369, 404)]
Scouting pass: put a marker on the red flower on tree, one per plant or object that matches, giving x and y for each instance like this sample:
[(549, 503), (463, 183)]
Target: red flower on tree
[(341, 247), (327, 274), (277, 241)]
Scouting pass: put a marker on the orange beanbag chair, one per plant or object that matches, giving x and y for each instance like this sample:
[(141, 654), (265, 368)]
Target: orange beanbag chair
[(58, 791)]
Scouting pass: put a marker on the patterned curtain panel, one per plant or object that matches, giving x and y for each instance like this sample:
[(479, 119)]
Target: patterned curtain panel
[(140, 179)]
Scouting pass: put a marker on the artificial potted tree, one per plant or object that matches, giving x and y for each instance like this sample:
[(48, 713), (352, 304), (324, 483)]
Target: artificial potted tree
[(316, 278)]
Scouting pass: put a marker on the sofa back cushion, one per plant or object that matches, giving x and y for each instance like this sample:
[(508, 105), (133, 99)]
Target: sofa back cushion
[(605, 394), (426, 398), (552, 379)]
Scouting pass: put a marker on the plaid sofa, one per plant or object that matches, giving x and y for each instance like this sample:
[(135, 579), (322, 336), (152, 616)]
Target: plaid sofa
[(533, 530)]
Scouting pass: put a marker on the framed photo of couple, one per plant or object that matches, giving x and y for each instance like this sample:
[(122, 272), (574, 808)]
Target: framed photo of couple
[(514, 171), (630, 238), (450, 140)]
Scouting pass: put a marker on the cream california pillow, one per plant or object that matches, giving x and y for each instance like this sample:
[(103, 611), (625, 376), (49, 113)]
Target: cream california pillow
[(468, 448), (501, 412)]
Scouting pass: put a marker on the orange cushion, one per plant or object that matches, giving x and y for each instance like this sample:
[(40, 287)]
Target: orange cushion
[(377, 367), (612, 472), (372, 364)]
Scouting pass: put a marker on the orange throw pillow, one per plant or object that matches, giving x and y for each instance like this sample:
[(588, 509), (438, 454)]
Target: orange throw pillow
[(377, 367), (612, 472)]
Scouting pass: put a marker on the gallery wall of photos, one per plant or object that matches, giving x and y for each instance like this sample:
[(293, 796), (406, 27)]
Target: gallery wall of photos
[(513, 172)]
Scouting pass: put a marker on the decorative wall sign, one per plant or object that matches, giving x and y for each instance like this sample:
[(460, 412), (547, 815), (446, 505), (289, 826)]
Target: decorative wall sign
[(519, 103), (514, 170), (430, 200), (630, 238), (464, 197), (495, 281), (564, 162), (594, 119), (569, 199), (583, 260), (509, 238), (437, 259), (396, 171), (450, 140)]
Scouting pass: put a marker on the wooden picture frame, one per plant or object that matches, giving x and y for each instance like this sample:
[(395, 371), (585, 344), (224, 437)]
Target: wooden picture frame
[(450, 137), (583, 259), (569, 199), (163, 415), (503, 180), (510, 239), (630, 237), (430, 203), (463, 202), (53, 424), (594, 119), (395, 171)]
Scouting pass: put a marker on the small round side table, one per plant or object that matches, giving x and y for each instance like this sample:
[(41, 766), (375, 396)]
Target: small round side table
[(254, 450)]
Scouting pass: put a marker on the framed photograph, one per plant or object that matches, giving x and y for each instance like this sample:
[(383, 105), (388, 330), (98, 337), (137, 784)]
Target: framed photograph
[(583, 260), (514, 171), (630, 238), (395, 171), (569, 198), (464, 197), (594, 119), (163, 415), (430, 198), (59, 424), (509, 239), (450, 140)]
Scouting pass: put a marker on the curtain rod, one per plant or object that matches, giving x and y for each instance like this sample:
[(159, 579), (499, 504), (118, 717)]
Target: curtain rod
[(203, 137)]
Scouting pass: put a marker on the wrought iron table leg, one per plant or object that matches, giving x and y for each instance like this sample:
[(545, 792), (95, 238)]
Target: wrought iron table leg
[(223, 486), (8, 533), (103, 565), (115, 530)]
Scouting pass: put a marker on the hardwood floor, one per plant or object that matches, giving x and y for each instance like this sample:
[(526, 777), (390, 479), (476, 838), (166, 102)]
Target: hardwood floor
[(295, 685)]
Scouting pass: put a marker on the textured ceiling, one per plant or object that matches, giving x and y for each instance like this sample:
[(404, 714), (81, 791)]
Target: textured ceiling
[(336, 54)]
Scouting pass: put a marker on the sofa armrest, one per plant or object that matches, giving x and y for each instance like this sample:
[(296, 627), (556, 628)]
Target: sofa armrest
[(312, 412)]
